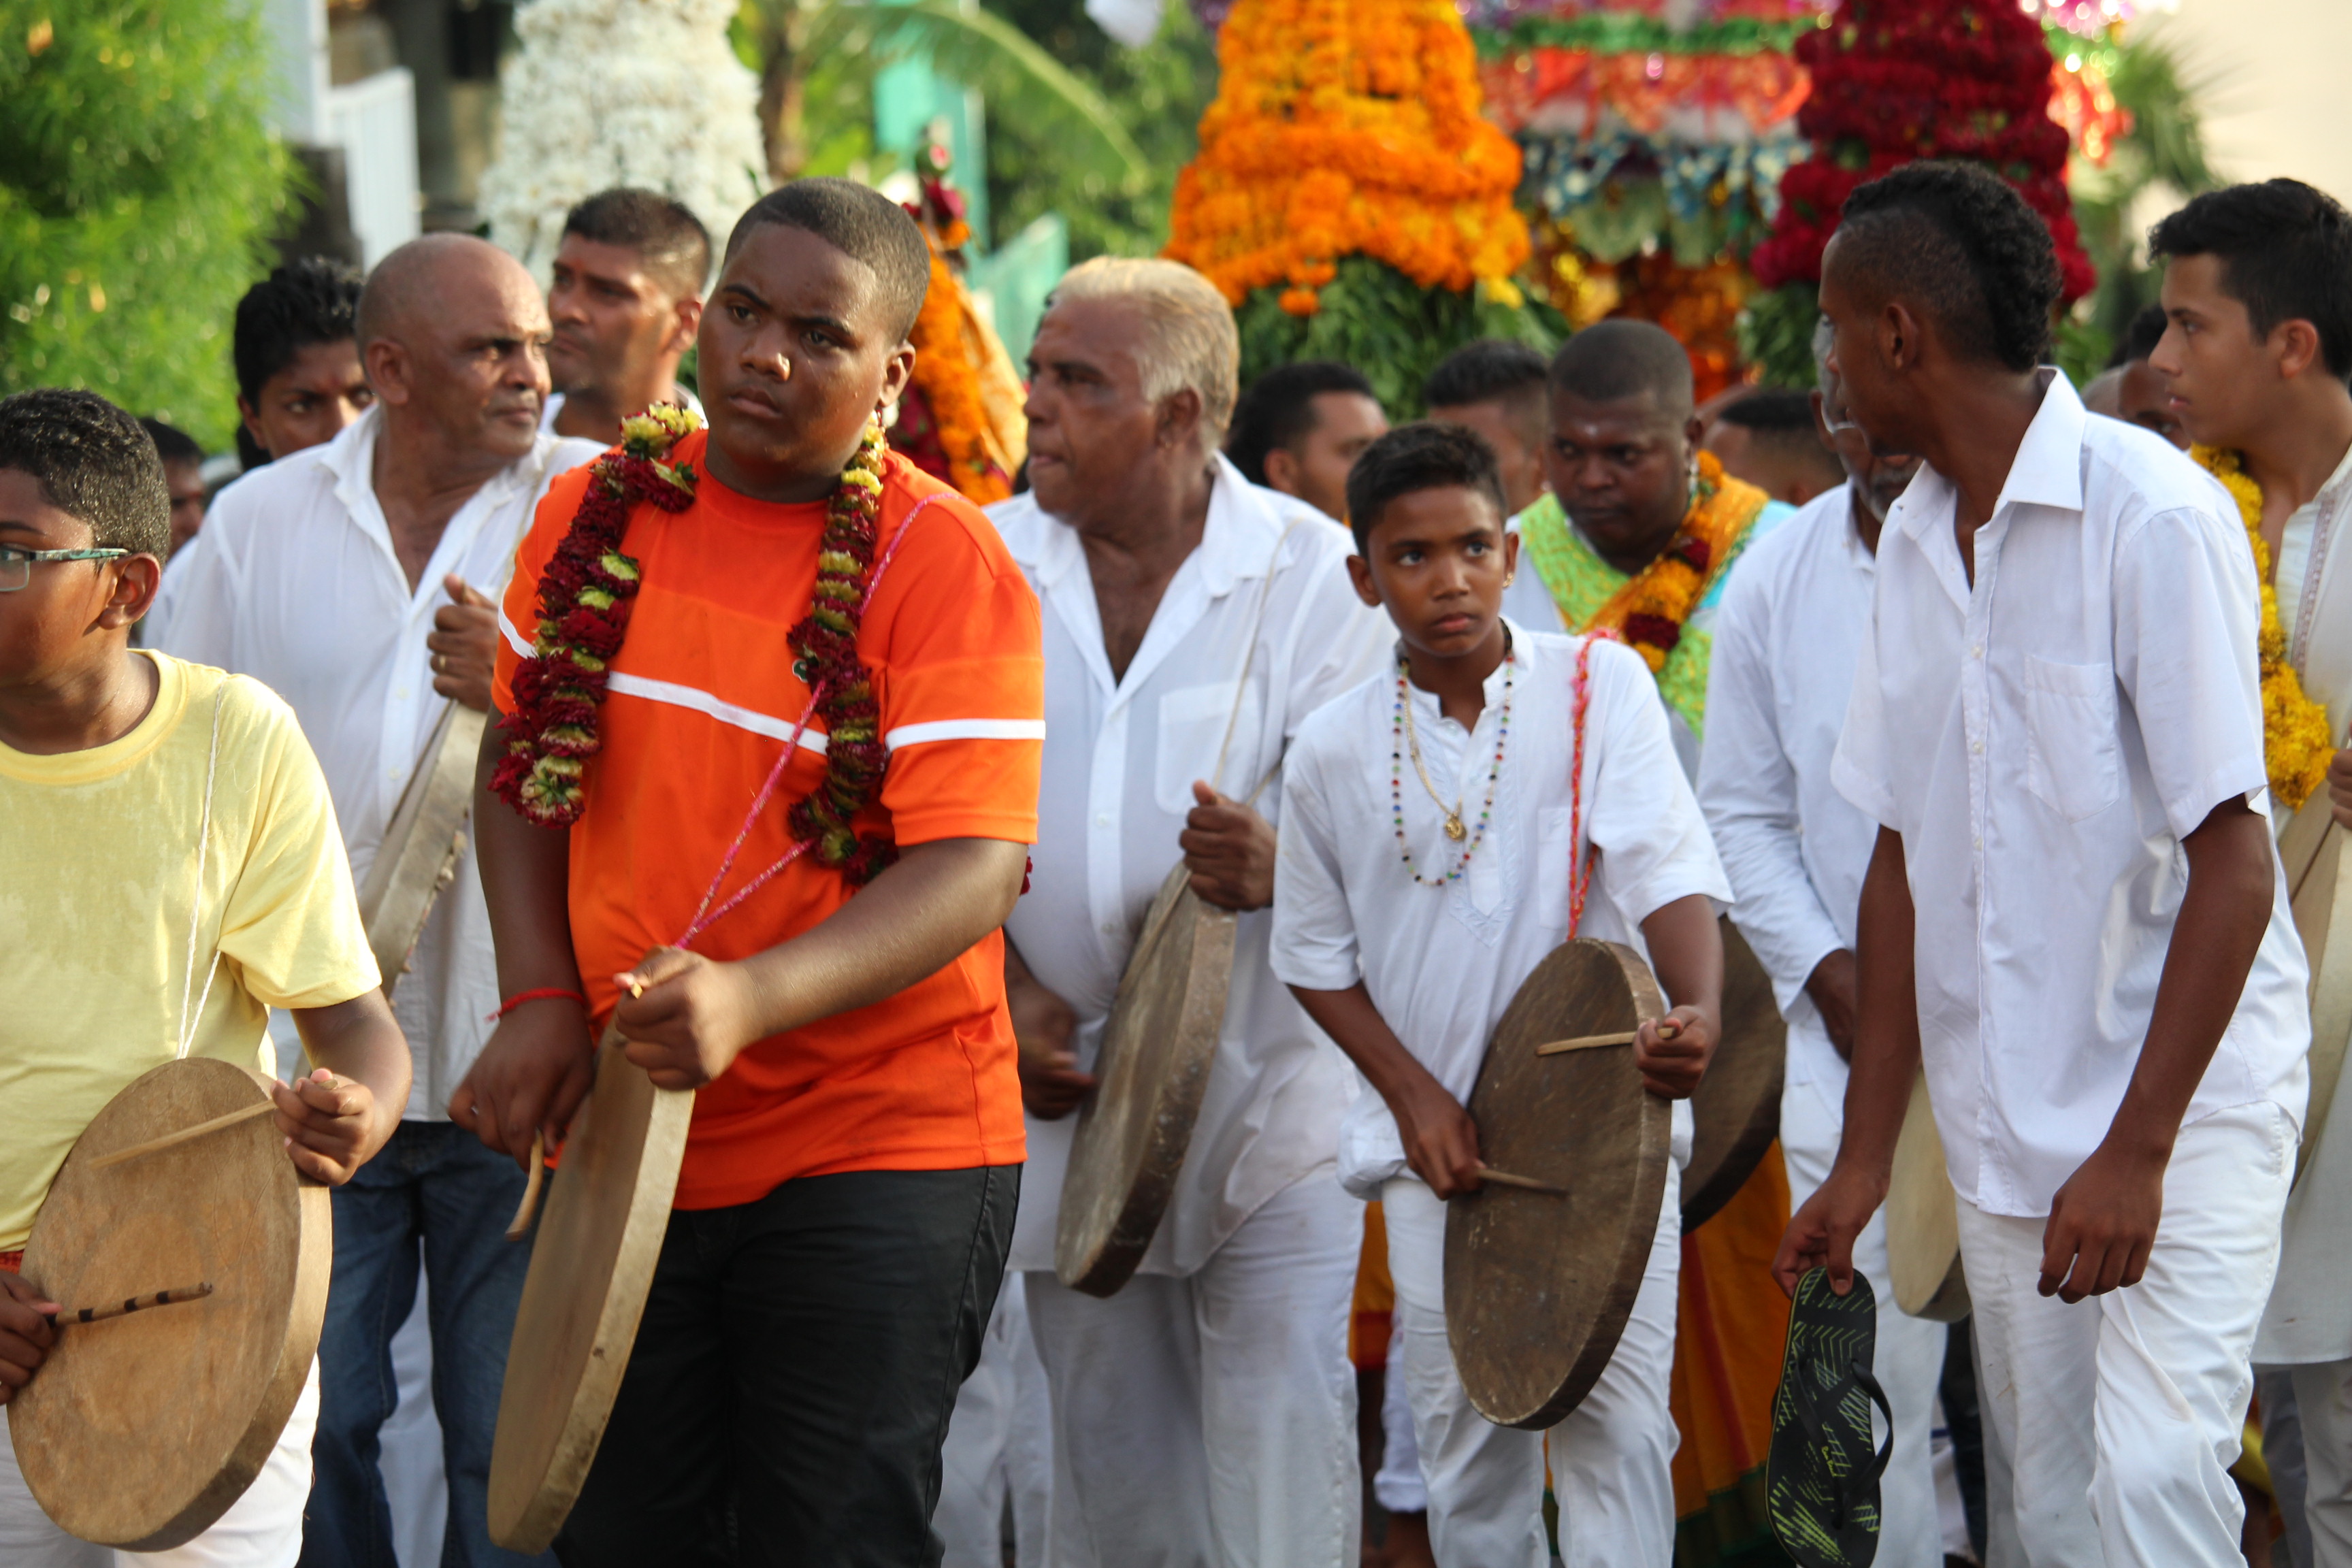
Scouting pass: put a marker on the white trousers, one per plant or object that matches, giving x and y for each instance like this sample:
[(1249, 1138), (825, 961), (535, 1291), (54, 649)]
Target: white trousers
[(999, 1447), (2122, 1414), (2323, 1399), (1611, 1459), (1209, 1421), (263, 1529), (1398, 1486), (1909, 1359)]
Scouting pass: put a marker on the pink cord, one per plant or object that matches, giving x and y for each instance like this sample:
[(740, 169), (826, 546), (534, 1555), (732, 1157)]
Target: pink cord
[(1579, 880), (704, 916)]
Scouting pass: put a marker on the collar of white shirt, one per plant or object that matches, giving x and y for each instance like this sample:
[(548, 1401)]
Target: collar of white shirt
[(2046, 471)]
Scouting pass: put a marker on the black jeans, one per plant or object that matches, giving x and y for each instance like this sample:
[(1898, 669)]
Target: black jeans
[(793, 1375)]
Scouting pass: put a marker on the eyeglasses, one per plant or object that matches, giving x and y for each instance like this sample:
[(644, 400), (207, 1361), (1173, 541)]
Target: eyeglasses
[(17, 565)]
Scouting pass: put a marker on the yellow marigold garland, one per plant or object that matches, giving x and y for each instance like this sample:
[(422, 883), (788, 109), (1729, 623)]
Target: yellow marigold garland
[(950, 383), (1651, 606), (1347, 127), (2297, 742)]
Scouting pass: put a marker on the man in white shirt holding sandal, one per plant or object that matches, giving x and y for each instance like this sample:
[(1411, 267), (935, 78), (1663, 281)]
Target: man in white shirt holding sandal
[(1205, 1412)]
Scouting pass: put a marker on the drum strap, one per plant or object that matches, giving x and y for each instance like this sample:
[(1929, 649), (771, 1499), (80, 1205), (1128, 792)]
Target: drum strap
[(196, 917), (1241, 687), (1579, 879)]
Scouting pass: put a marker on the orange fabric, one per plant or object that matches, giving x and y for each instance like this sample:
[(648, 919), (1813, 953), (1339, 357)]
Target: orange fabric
[(925, 1080), (12, 1262), (1374, 1316), (1728, 1342)]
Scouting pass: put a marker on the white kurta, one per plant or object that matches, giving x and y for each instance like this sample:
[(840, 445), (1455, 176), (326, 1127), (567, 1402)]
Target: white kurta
[(2310, 1316), (2043, 740), (1786, 645), (1442, 964), (294, 581), (1120, 758)]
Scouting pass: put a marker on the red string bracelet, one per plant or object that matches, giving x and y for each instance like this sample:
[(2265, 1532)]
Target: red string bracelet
[(541, 994)]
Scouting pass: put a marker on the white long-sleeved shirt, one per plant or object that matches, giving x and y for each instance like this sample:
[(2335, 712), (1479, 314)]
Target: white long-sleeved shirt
[(1121, 753), (1441, 963), (2043, 737), (294, 581), (1787, 638)]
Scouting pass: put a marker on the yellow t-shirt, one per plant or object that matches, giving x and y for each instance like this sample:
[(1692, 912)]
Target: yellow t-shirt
[(98, 885)]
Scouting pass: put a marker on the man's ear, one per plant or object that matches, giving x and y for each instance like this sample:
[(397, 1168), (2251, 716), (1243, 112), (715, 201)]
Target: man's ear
[(689, 322), (1360, 574), (136, 580), (1179, 421), (898, 371), (1282, 471), (385, 362), (1897, 335), (2296, 346), (1693, 433), (252, 418), (1510, 554)]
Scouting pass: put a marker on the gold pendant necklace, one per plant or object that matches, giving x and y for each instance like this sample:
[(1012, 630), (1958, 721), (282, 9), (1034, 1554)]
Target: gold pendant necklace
[(1455, 828)]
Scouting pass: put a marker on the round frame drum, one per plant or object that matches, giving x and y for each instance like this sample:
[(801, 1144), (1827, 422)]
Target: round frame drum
[(1151, 1072), (1539, 1285), (1923, 1220), (140, 1431)]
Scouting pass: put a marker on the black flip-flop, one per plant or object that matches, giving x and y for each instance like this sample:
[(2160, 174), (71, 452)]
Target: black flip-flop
[(1822, 1473)]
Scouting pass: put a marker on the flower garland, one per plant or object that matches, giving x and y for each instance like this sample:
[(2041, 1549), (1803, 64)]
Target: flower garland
[(949, 385), (1650, 608), (1340, 128), (585, 598), (2297, 742)]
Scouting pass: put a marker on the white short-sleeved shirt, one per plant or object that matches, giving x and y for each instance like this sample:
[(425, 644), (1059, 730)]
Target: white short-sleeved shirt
[(1442, 963), (1786, 641), (294, 581), (2043, 741), (1120, 758)]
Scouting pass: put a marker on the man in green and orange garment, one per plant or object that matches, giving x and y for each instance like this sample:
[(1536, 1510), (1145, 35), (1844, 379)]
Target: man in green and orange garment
[(1640, 534)]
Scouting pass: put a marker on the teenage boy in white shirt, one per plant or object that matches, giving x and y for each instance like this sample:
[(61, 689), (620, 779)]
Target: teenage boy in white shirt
[(1786, 642), (1405, 936), (2073, 916)]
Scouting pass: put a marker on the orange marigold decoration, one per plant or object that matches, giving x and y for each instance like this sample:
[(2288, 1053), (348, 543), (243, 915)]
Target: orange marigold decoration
[(1341, 128), (950, 385), (960, 419)]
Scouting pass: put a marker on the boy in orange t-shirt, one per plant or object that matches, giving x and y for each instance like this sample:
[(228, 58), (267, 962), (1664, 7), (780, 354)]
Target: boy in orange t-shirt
[(781, 588)]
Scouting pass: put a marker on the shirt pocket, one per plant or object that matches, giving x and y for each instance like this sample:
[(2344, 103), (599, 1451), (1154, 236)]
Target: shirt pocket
[(2070, 736), (1193, 721)]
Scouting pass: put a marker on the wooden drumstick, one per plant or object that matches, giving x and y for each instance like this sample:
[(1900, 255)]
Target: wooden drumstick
[(132, 1304), (528, 1210), (185, 1134), (1526, 1184), (1586, 1043)]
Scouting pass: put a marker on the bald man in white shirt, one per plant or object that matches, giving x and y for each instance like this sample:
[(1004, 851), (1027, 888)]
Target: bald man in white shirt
[(355, 579), (2075, 919), (1206, 1412)]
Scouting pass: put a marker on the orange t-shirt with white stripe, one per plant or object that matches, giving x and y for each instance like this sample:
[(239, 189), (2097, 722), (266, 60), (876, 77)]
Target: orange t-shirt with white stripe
[(701, 699)]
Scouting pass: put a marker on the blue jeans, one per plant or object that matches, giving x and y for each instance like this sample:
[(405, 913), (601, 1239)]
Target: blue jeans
[(435, 1183)]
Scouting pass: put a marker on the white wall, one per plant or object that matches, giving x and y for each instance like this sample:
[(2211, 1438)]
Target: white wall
[(2275, 92)]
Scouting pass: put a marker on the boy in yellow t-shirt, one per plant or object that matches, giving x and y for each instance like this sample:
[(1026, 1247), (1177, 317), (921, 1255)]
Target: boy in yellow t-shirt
[(140, 797)]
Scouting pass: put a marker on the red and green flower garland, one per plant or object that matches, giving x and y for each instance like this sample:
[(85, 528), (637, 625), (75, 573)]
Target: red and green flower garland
[(584, 599)]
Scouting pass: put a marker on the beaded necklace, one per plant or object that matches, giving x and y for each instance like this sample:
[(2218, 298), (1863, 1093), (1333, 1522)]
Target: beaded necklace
[(1404, 739)]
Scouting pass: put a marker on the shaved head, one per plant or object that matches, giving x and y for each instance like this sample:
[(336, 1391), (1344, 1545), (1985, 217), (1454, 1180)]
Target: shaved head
[(1620, 359), (423, 273)]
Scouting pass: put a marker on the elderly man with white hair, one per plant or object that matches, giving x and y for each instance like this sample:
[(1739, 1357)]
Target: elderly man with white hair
[(1206, 1412)]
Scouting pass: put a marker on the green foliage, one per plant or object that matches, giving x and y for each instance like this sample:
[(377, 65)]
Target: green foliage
[(1776, 334), (139, 191), (1158, 92), (1386, 325), (2166, 147)]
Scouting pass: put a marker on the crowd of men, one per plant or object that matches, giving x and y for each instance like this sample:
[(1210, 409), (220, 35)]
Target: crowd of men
[(1960, 715)]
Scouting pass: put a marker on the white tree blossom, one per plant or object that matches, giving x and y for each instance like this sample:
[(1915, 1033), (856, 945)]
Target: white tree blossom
[(621, 92)]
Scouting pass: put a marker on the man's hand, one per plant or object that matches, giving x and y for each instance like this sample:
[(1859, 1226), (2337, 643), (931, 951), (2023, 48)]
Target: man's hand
[(2102, 1223), (26, 1333), (464, 644), (1835, 986), (1229, 849), (1820, 1234), (2339, 786), (1441, 1142), (687, 1018), (327, 1121), (1051, 1084), (1672, 1053), (529, 1078)]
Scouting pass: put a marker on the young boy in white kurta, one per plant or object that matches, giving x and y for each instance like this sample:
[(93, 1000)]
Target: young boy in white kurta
[(2074, 919), (1407, 914)]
